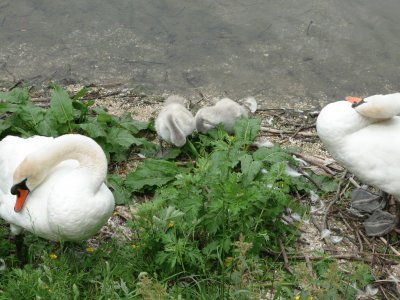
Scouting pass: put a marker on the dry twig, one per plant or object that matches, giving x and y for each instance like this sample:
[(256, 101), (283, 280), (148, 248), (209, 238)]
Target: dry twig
[(390, 246), (280, 132), (316, 162), (285, 258), (337, 197)]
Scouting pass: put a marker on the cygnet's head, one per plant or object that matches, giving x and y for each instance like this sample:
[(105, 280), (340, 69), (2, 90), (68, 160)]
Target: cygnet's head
[(225, 111), (174, 122), (205, 119), (175, 99)]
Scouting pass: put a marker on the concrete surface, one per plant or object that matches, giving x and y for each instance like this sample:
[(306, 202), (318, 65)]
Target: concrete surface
[(286, 53)]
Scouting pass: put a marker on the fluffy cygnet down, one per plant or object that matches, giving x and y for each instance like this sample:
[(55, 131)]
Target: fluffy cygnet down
[(175, 122), (225, 111)]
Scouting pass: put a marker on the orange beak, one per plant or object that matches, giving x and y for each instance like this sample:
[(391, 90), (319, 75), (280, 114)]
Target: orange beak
[(353, 100), (21, 197)]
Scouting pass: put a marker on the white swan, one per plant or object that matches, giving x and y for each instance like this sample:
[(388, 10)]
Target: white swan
[(59, 186), (225, 111), (174, 123), (365, 138)]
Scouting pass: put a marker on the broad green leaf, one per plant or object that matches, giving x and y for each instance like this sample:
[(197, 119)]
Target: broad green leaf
[(246, 130), (31, 114), (18, 95), (132, 125), (81, 93), (249, 168), (61, 105), (151, 173), (102, 115), (118, 155), (93, 129), (48, 126), (272, 155), (121, 194), (121, 137)]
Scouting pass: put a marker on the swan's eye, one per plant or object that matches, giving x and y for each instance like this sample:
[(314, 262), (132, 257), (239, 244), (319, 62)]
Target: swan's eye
[(15, 189), (358, 103)]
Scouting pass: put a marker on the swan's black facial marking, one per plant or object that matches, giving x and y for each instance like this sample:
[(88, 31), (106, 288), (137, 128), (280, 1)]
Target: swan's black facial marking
[(19, 186), (22, 191), (358, 103)]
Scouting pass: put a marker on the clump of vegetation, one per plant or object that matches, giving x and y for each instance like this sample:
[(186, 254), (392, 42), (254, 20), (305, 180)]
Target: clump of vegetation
[(72, 115), (206, 232), (192, 223)]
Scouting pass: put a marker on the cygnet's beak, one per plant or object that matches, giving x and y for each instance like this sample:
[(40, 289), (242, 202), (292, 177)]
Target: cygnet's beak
[(22, 191), (355, 101)]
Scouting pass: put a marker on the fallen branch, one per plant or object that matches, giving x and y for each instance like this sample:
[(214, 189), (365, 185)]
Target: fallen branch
[(317, 162), (280, 132), (297, 132)]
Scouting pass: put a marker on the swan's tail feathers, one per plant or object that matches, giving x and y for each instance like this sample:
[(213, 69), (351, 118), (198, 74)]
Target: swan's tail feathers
[(251, 104)]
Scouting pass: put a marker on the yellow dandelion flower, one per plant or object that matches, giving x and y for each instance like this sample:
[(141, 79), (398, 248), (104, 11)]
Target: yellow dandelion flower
[(298, 297), (134, 246), (231, 138), (170, 224), (89, 249), (53, 256)]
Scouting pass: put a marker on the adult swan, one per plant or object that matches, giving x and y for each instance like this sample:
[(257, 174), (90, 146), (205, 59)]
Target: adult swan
[(54, 187), (364, 136)]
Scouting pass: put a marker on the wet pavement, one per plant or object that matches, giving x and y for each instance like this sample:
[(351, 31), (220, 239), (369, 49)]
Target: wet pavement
[(286, 53)]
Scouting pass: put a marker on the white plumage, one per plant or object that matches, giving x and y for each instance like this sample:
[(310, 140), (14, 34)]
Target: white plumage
[(68, 199), (225, 111), (174, 123), (365, 139)]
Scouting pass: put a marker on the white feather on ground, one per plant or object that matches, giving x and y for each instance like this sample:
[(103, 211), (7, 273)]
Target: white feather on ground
[(251, 104)]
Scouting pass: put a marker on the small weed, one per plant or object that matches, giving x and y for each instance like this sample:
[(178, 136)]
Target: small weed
[(330, 280)]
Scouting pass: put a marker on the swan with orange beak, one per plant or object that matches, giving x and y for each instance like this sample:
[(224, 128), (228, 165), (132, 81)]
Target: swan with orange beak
[(364, 136), (54, 187)]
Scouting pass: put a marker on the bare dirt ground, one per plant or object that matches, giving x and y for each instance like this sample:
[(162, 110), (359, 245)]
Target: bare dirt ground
[(346, 239)]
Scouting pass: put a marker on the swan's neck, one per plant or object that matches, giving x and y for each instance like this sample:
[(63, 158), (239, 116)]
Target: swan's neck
[(87, 152)]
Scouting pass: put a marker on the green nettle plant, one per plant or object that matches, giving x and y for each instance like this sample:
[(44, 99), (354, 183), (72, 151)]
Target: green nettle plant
[(193, 222)]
